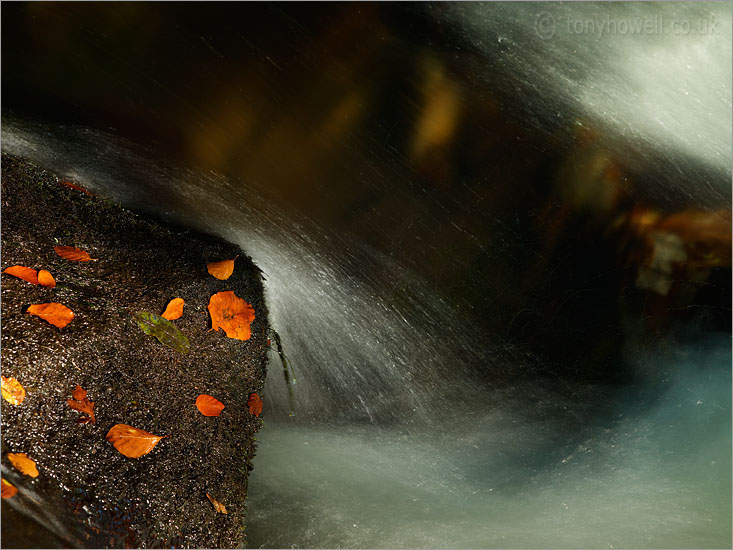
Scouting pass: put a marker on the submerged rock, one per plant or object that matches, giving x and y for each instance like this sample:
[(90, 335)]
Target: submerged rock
[(88, 493)]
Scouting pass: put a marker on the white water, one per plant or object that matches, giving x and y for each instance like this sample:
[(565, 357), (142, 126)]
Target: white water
[(393, 443), (654, 73), (396, 442)]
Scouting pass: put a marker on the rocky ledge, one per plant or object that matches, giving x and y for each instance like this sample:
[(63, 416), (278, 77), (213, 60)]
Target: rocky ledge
[(87, 492)]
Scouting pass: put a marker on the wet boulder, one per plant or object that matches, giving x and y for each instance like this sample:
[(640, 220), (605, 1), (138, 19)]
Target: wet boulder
[(87, 492)]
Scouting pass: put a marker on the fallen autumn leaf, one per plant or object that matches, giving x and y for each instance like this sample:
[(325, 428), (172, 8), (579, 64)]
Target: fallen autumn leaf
[(79, 402), (174, 309), (32, 276), (209, 406), (255, 404), (166, 332), (8, 489), (57, 314), (13, 392), (221, 270), (231, 313), (22, 272), (218, 506), (132, 442), (46, 279), (73, 254), (23, 464)]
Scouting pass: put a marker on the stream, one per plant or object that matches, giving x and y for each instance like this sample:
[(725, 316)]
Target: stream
[(407, 421)]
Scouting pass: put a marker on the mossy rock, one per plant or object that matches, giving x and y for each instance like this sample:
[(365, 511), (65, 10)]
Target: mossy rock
[(88, 493)]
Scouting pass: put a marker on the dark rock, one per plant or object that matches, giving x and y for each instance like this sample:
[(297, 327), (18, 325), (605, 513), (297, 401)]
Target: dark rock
[(88, 493)]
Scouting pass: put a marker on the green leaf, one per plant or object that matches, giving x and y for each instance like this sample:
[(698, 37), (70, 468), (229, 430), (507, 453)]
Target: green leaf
[(165, 331)]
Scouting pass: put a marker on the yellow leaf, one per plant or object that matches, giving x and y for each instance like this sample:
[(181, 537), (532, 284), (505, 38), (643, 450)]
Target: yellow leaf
[(8, 489), (13, 392), (218, 506), (23, 464), (132, 442), (221, 270)]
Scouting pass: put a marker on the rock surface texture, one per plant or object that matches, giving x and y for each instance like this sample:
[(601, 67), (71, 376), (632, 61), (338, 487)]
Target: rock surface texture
[(87, 492)]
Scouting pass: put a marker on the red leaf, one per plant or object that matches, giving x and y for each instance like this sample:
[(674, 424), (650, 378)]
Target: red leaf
[(255, 404), (77, 187), (209, 406), (73, 254), (79, 402)]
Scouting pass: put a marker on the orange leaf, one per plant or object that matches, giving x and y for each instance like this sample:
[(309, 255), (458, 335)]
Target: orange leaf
[(77, 187), (218, 506), (8, 489), (255, 404), (46, 279), (57, 314), (209, 406), (22, 272), (232, 314), (24, 464), (132, 442), (12, 391), (221, 270), (73, 254), (174, 309), (82, 404)]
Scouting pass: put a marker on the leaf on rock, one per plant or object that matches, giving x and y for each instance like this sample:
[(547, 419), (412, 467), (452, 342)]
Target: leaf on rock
[(209, 406), (255, 404), (79, 402), (12, 391), (174, 309), (41, 277), (132, 442), (77, 187), (218, 506), (46, 279), (57, 314), (73, 254), (23, 464), (8, 489), (22, 272), (221, 270), (232, 314), (166, 332)]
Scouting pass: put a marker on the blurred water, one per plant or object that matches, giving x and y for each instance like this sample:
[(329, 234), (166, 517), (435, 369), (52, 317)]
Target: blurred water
[(410, 429), (655, 73), (412, 426), (654, 472)]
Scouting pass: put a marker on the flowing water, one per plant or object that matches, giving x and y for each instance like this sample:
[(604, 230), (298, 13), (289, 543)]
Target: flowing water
[(408, 424)]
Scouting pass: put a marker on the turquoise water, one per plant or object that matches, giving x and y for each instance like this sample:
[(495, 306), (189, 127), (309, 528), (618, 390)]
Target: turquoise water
[(651, 470)]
